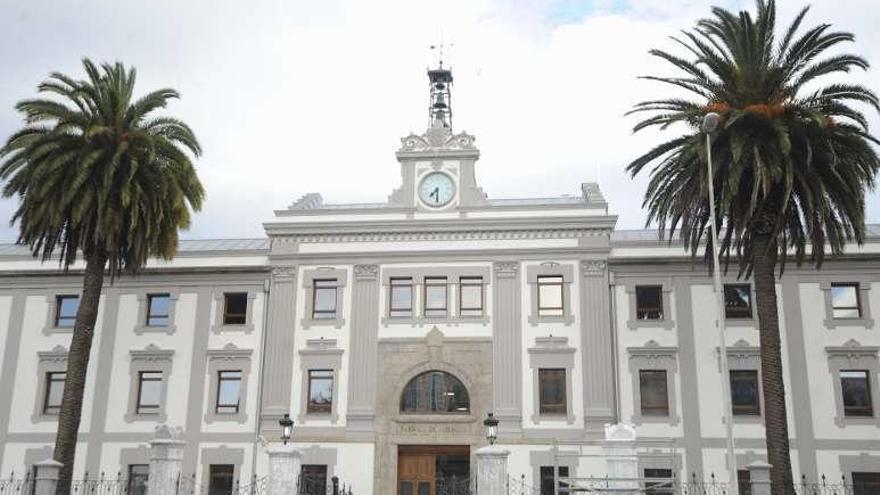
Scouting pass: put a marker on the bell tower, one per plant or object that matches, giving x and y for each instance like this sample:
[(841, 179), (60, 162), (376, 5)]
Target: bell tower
[(440, 110)]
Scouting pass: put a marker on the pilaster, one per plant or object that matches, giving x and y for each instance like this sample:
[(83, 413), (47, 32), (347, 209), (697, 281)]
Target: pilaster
[(596, 344), (278, 371), (507, 367), (363, 350)]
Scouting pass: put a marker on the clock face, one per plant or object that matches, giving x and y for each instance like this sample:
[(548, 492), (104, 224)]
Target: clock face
[(437, 189)]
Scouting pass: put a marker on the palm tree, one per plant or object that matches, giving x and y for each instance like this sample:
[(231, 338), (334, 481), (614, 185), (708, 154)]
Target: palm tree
[(99, 177), (793, 157)]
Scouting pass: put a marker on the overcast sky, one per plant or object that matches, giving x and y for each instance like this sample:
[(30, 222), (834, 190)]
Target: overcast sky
[(290, 97)]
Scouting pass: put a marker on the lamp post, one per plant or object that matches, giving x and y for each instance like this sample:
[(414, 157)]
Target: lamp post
[(491, 424), (710, 125), (286, 427)]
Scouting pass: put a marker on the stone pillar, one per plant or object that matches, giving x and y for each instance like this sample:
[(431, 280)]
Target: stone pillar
[(284, 468), (364, 350), (46, 479), (621, 460), (597, 360), (166, 460), (278, 371), (507, 369), (491, 470), (759, 476)]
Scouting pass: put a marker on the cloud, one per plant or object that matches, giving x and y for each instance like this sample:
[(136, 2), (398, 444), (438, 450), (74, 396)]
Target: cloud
[(295, 97)]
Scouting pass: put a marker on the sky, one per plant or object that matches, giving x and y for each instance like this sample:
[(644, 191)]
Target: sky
[(291, 97)]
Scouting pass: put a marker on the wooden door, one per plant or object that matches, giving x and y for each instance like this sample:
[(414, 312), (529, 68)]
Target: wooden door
[(415, 474)]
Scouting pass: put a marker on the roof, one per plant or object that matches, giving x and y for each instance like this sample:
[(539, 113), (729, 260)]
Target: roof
[(184, 246)]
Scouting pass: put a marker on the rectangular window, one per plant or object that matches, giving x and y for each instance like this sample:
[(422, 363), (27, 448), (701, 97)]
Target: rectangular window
[(220, 480), (435, 296), (235, 308), (54, 392), (313, 479), (158, 310), (649, 302), (845, 300), (149, 399), (661, 487), (470, 296), (737, 301), (320, 392), (744, 392), (744, 482), (138, 477), (324, 302), (856, 388), (551, 392), (65, 311), (548, 484), (865, 483), (228, 391), (653, 393), (550, 296), (401, 298)]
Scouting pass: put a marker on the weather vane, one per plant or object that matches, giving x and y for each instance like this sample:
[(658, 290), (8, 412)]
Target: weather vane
[(440, 49)]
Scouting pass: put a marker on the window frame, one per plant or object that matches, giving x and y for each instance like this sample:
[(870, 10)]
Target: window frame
[(854, 356), (866, 411), (551, 269), (863, 284), (433, 281), (149, 359), (653, 356), (321, 285), (666, 288), (660, 310), (395, 283), (751, 304), (468, 281), (412, 380), (211, 478), (557, 281), (313, 277), (313, 408), (552, 353), (132, 477), (220, 292), (319, 354), (552, 409), (149, 409), (750, 410), (650, 410), (234, 408), (53, 361), (143, 298), (229, 358), (47, 391), (59, 298), (150, 315)]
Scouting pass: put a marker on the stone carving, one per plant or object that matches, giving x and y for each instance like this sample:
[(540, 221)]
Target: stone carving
[(321, 343), (506, 267), (591, 193), (151, 353), (366, 272), (621, 459), (58, 354), (437, 138), (284, 272), (167, 432), (308, 201), (652, 351), (593, 267), (852, 349)]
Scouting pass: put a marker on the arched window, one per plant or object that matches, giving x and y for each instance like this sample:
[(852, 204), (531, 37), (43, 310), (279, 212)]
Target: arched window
[(435, 392)]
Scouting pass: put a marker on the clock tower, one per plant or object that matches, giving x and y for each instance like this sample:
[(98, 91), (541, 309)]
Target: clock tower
[(437, 167)]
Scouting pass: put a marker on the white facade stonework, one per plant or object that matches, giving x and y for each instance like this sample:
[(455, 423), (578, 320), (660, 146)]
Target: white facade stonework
[(497, 353)]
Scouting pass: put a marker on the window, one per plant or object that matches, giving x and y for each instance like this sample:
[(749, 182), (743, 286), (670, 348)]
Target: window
[(470, 296), (845, 300), (661, 487), (548, 485), (235, 308), (649, 302), (865, 483), (435, 296), (320, 392), (313, 479), (737, 301), (158, 310), (220, 481), (856, 389), (401, 298), (54, 392), (435, 392), (744, 392), (551, 391), (138, 478), (324, 303), (744, 482), (65, 311), (228, 391), (550, 295), (149, 399), (653, 393)]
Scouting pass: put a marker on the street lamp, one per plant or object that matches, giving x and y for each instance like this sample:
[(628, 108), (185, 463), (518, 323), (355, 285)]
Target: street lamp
[(710, 124), (491, 424), (286, 427)]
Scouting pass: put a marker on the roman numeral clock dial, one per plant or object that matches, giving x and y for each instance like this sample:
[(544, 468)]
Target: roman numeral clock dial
[(437, 189)]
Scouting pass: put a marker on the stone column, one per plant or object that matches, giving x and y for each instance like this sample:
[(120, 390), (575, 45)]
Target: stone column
[(597, 360), (364, 351), (507, 369), (166, 460), (278, 371), (46, 479), (491, 470), (621, 460), (759, 476), (284, 468)]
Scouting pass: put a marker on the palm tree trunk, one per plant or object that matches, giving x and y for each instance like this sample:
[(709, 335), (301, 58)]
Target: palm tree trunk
[(764, 257), (77, 365)]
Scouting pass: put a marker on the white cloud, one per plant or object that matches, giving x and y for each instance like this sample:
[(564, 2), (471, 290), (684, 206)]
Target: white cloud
[(295, 97)]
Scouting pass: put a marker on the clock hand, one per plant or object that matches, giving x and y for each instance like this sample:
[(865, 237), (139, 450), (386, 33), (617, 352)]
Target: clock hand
[(435, 194)]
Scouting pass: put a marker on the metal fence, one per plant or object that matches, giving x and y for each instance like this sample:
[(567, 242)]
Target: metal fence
[(17, 486)]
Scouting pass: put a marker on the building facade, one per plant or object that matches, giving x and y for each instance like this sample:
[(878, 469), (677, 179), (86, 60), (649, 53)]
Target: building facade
[(387, 331)]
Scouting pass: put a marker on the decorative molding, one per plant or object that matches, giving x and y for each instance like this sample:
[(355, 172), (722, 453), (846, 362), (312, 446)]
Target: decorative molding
[(58, 354), (652, 351), (442, 235), (437, 139), (852, 349), (285, 273), (366, 272), (509, 268), (593, 267)]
